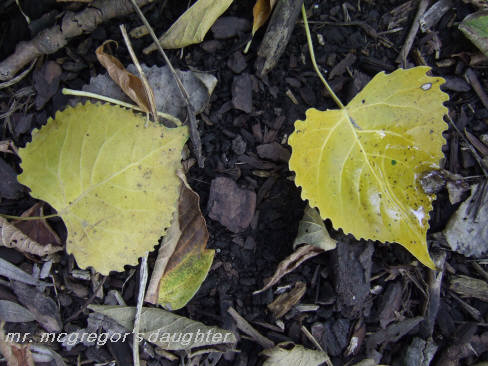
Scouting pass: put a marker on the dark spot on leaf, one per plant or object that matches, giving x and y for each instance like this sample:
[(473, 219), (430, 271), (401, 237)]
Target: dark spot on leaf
[(393, 162)]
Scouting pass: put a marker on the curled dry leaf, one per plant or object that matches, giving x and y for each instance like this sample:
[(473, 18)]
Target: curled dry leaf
[(38, 230), (182, 258), (290, 354), (12, 237), (193, 25), (290, 263), (261, 12), (312, 231), (168, 330), (15, 354), (129, 83)]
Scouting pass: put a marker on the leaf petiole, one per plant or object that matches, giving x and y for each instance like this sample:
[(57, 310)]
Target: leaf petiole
[(30, 218), (314, 63), (80, 93)]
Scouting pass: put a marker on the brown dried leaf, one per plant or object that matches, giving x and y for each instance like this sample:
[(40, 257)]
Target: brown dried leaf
[(182, 257), (128, 82), (38, 230), (11, 237), (15, 354), (261, 12), (290, 263)]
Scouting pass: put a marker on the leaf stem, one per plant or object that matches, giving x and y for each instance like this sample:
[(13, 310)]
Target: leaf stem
[(80, 93), (20, 218), (314, 63)]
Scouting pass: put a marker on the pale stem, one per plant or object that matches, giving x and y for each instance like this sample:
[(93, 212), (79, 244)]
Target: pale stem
[(314, 63), (80, 93)]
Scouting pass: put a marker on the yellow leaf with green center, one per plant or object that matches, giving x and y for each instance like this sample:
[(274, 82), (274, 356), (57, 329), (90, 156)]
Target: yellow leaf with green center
[(361, 165), (111, 179)]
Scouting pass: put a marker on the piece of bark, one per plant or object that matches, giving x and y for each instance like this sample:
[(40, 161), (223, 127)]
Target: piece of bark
[(228, 27), (392, 333), (41, 306), (9, 187), (283, 303), (453, 355), (390, 304), (336, 336), (433, 302), (420, 352), (237, 63), (242, 93), (352, 264), (469, 287), (277, 35), (72, 25), (230, 205), (273, 151), (342, 66), (46, 83)]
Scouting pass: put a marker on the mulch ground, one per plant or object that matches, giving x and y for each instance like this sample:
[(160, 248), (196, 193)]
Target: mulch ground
[(374, 294)]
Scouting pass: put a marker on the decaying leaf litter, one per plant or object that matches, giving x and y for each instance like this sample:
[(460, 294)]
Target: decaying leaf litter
[(345, 291)]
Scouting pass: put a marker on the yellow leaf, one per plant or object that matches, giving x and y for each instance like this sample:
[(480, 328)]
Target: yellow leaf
[(312, 231), (261, 12), (193, 25), (112, 181), (361, 165)]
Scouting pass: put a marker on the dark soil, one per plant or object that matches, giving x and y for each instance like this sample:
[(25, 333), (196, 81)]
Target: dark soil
[(391, 287)]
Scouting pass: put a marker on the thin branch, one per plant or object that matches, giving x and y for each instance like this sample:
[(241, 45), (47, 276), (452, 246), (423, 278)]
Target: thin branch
[(194, 134), (140, 302), (402, 57)]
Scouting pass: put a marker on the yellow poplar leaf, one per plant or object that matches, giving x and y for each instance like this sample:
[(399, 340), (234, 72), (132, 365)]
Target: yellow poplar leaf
[(193, 25), (361, 165), (261, 12), (112, 181)]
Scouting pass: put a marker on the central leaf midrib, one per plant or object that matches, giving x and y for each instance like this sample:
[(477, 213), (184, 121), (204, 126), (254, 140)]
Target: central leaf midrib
[(380, 183)]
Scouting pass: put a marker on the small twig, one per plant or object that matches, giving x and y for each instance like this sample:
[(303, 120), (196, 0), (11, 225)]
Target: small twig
[(312, 339), (314, 63), (471, 147), (402, 57), (142, 76), (80, 93), (472, 79), (194, 134), (140, 302), (247, 328), (19, 77), (88, 302)]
